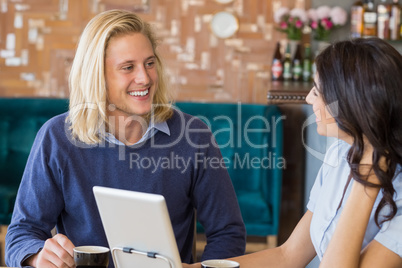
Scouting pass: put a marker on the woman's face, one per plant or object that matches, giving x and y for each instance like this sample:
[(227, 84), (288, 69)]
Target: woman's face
[(326, 124), (131, 75)]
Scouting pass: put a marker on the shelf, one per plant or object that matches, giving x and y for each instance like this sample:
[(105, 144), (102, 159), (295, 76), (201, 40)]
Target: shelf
[(288, 92)]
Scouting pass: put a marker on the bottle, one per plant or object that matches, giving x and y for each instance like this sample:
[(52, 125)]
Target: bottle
[(307, 63), (395, 20), (314, 67), (287, 64), (400, 26), (276, 67), (383, 19), (356, 19), (297, 68), (369, 19)]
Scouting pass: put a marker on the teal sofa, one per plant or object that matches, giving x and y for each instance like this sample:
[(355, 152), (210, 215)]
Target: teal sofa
[(250, 137), (20, 120), (251, 140)]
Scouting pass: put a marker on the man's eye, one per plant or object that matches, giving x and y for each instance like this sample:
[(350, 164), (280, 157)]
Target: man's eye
[(150, 64), (128, 68)]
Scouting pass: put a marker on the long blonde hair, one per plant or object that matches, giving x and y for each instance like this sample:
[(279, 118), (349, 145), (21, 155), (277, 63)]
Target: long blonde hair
[(88, 95)]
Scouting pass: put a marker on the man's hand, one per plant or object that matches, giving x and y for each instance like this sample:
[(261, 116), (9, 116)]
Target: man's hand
[(57, 252)]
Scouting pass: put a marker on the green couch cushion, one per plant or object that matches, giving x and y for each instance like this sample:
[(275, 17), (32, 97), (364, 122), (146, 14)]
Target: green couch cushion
[(254, 208), (16, 141), (7, 200), (20, 120), (250, 139)]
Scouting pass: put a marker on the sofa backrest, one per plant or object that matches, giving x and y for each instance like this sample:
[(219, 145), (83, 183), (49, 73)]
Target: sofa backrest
[(20, 120), (250, 138)]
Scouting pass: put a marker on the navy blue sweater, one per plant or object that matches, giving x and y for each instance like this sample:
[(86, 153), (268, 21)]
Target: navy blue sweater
[(185, 167)]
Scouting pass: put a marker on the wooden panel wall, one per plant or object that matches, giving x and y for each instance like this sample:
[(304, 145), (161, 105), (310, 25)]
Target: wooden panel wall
[(38, 40)]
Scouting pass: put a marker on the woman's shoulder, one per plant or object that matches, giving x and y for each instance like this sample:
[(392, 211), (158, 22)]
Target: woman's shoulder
[(336, 153), (339, 145), (397, 183)]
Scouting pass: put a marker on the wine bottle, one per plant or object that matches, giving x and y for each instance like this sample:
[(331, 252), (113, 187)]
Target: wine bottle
[(276, 67), (297, 68), (383, 19), (356, 19), (287, 64), (400, 27), (307, 63), (314, 67), (395, 20), (369, 19)]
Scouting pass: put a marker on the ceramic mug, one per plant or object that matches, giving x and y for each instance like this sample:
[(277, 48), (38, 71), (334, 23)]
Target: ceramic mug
[(91, 256)]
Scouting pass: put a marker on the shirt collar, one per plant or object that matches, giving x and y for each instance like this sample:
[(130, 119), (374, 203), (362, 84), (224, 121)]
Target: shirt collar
[(162, 126), (152, 129)]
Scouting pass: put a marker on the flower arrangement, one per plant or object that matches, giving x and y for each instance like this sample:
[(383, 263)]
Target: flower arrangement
[(291, 22), (324, 19)]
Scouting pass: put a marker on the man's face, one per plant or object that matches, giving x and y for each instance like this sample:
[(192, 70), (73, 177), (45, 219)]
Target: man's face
[(131, 75)]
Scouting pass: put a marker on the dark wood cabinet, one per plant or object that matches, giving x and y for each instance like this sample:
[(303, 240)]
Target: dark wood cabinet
[(291, 99)]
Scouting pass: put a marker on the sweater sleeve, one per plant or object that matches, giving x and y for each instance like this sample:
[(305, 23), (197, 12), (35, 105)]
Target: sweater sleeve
[(37, 205), (217, 207)]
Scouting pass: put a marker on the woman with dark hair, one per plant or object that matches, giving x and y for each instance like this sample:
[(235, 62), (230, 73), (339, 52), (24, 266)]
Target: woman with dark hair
[(354, 216)]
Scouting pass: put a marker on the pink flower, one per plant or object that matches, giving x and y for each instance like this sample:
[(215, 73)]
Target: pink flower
[(338, 16), (314, 24), (326, 23), (324, 19), (323, 12), (291, 22), (279, 13)]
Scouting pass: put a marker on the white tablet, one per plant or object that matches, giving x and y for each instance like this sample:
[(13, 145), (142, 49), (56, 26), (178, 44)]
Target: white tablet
[(138, 228)]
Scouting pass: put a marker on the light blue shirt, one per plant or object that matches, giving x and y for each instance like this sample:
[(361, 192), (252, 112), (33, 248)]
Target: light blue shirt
[(152, 129), (326, 195)]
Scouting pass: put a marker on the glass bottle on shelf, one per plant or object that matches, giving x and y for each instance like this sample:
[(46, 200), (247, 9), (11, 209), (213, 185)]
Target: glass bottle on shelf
[(383, 19), (276, 67), (307, 63), (369, 19), (297, 68), (395, 20), (356, 19), (287, 64), (314, 67), (400, 27)]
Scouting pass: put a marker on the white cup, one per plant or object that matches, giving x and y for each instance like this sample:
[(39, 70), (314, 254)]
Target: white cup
[(220, 264)]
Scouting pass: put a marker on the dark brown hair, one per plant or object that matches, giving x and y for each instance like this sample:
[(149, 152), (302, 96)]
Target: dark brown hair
[(362, 78)]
